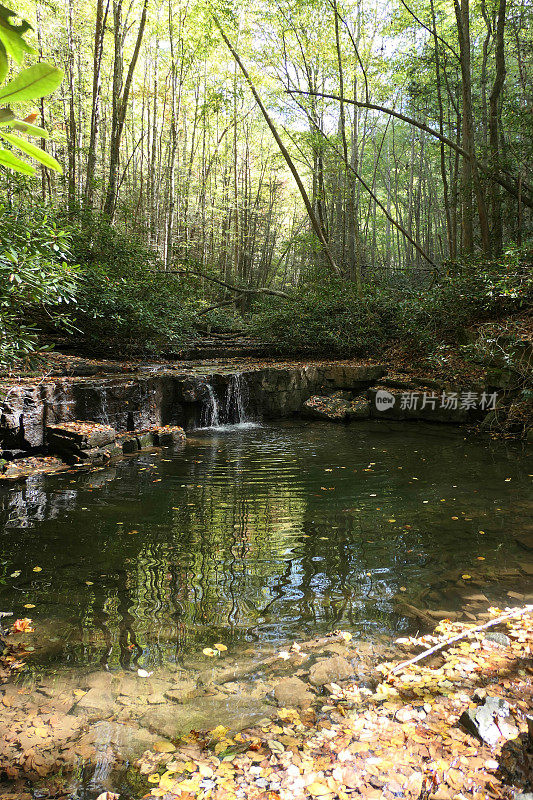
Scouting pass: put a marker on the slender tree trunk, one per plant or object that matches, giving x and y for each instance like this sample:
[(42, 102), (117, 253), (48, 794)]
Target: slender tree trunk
[(470, 177), (494, 135), (99, 32), (120, 100), (285, 153), (71, 135), (443, 172)]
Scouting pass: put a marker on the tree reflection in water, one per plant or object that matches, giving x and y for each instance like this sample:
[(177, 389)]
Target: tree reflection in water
[(255, 537)]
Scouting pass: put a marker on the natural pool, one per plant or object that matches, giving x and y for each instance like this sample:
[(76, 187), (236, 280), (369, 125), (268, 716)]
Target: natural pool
[(255, 535), (251, 537)]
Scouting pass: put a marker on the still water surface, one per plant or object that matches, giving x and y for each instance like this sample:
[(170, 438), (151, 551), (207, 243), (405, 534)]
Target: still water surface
[(254, 536)]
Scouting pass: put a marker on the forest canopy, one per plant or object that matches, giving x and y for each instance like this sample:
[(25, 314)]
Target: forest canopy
[(317, 173)]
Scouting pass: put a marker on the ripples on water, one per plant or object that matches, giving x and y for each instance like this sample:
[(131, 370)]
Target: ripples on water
[(256, 535)]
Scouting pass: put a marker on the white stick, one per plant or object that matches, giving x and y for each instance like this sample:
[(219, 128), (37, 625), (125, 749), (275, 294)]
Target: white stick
[(514, 612)]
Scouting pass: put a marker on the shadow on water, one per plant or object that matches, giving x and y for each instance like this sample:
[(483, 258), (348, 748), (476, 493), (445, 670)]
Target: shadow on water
[(251, 536), (260, 535)]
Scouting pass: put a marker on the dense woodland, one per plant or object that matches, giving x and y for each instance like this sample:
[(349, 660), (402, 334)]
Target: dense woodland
[(315, 172)]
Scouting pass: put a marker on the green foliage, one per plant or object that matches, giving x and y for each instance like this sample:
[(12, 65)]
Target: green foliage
[(32, 83), (328, 317), (127, 303), (36, 280)]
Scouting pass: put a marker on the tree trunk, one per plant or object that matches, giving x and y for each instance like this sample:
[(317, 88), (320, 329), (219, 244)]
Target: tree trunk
[(99, 31), (470, 176), (494, 135), (120, 100)]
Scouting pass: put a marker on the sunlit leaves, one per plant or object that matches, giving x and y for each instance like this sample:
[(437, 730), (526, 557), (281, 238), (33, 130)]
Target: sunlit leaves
[(7, 159), (12, 38), (32, 83)]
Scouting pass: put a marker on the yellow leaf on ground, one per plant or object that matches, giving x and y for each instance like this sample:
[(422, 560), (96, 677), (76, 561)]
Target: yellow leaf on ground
[(164, 747), (317, 789)]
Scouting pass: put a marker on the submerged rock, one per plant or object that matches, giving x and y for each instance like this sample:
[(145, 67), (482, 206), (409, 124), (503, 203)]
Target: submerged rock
[(330, 670), (128, 740), (96, 701), (174, 720), (293, 693), (182, 691)]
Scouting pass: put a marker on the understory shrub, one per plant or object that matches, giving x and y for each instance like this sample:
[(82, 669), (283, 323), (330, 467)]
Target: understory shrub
[(329, 317), (39, 284), (128, 304)]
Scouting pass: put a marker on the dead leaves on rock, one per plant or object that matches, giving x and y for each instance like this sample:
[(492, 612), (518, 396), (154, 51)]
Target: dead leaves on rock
[(401, 741)]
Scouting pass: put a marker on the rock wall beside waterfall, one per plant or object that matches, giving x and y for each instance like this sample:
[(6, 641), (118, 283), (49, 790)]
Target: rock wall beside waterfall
[(197, 396)]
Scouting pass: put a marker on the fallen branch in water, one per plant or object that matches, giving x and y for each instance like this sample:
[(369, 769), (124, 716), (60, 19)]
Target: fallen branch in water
[(514, 612)]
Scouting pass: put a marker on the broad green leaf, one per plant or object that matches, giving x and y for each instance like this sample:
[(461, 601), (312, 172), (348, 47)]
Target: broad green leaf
[(6, 116), (7, 159), (3, 63), (32, 150), (31, 130), (37, 81), (11, 35)]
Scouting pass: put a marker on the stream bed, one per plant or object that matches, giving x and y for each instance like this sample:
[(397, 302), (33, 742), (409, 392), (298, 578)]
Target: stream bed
[(251, 537)]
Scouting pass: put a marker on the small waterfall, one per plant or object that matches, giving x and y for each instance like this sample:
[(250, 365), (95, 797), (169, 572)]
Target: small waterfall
[(210, 410), (231, 412), (104, 415), (234, 407)]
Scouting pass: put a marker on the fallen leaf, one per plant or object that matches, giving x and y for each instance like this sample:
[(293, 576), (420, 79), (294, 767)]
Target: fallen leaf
[(163, 747), (22, 625)]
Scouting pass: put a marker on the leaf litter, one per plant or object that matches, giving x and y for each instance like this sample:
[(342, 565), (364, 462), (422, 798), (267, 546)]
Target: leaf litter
[(400, 739)]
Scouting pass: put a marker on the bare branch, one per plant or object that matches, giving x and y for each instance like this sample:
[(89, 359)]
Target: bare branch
[(372, 194), (317, 227), (500, 179), (229, 302), (514, 612), (238, 289)]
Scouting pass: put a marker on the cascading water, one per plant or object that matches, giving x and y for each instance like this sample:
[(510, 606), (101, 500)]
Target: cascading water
[(210, 409), (104, 416), (234, 407), (231, 411)]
